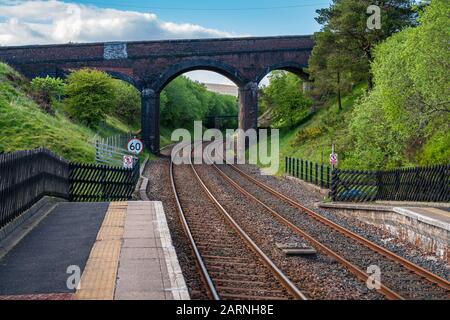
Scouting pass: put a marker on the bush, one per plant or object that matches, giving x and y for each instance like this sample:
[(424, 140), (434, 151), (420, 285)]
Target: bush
[(46, 90), (306, 134), (90, 96), (127, 102)]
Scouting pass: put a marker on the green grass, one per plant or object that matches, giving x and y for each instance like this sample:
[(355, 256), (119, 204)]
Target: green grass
[(23, 125), (333, 126)]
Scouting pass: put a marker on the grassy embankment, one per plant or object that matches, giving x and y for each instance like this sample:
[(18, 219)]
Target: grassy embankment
[(313, 137), (24, 125)]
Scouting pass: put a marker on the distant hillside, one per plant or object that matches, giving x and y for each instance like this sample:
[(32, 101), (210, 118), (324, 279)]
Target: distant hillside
[(226, 89)]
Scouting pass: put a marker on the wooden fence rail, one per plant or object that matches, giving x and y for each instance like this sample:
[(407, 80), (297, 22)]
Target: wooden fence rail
[(94, 182), (28, 175)]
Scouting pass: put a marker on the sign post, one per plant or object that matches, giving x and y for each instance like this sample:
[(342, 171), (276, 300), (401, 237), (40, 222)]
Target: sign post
[(333, 157)]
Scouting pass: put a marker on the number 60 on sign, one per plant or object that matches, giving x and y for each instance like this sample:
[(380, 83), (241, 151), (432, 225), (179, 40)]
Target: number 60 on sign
[(135, 146)]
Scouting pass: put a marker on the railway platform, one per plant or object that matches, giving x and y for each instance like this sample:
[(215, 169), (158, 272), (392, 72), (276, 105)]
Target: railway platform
[(112, 250), (427, 225)]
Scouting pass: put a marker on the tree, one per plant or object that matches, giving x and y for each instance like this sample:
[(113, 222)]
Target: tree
[(127, 102), (47, 89), (333, 71), (90, 96), (286, 98), (345, 41), (405, 118), (183, 101)]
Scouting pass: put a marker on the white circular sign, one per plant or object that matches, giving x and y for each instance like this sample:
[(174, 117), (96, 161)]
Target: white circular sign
[(135, 146)]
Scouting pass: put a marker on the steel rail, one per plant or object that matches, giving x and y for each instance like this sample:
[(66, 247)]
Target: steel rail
[(296, 293), (201, 265), (350, 234), (388, 293)]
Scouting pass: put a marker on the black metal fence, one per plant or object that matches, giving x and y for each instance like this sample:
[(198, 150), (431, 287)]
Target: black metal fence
[(28, 175), (308, 171), (94, 182), (429, 184)]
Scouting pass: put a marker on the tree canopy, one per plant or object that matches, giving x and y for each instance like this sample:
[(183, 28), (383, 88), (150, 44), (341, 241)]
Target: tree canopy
[(406, 118), (183, 101), (284, 95), (344, 47)]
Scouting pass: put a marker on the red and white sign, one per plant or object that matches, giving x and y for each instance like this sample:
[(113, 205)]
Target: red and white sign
[(333, 159), (128, 161), (135, 146)]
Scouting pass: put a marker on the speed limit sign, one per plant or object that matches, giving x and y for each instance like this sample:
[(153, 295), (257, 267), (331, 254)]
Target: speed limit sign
[(135, 145)]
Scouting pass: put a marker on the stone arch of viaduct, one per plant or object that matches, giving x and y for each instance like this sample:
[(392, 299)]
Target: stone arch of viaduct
[(151, 65)]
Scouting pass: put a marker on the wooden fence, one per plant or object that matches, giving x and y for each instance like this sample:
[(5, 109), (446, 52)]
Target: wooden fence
[(429, 184), (28, 175), (94, 182), (308, 171)]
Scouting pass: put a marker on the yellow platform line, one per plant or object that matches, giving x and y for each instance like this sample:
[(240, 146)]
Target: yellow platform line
[(98, 280)]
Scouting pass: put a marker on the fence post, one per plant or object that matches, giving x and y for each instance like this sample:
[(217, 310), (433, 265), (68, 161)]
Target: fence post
[(306, 170), (285, 164), (328, 178), (301, 169), (289, 166), (102, 182), (310, 172), (321, 175), (316, 174), (334, 184), (296, 173)]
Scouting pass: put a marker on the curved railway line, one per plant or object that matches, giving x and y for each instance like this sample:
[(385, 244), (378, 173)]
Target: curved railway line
[(231, 264), (405, 280)]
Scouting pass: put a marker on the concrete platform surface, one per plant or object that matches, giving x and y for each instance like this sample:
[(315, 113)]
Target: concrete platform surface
[(439, 217), (425, 225), (122, 250)]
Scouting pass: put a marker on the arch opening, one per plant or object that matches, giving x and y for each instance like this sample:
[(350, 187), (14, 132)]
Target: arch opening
[(185, 95), (293, 67), (221, 68), (283, 97)]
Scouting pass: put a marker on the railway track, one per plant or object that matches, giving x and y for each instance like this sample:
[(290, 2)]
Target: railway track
[(232, 266), (401, 279)]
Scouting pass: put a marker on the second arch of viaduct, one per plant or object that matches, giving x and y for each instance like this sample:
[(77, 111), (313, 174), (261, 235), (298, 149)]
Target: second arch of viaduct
[(151, 65)]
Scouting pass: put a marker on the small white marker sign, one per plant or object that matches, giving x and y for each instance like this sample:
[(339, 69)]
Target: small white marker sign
[(127, 162), (333, 159)]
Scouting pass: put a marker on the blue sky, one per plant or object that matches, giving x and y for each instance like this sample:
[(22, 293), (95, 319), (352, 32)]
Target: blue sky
[(258, 18), (48, 22)]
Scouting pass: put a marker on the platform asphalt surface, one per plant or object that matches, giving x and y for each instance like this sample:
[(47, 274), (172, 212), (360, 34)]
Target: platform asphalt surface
[(38, 263)]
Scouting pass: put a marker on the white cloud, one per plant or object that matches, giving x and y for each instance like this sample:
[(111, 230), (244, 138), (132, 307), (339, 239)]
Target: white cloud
[(44, 22)]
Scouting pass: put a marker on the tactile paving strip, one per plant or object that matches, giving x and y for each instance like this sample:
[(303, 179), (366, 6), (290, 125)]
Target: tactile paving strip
[(99, 276)]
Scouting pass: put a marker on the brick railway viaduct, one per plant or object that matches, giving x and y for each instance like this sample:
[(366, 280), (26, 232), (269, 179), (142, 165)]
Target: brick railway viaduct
[(151, 65)]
